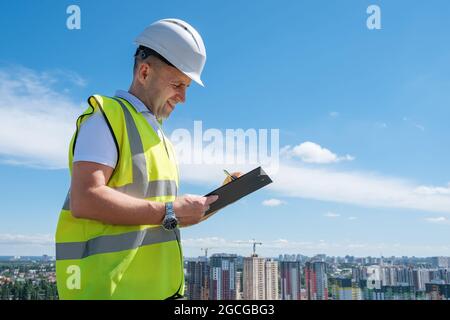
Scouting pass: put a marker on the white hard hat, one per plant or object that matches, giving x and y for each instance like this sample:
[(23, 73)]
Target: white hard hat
[(179, 43)]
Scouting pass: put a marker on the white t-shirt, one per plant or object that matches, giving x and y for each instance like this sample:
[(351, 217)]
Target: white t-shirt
[(95, 142)]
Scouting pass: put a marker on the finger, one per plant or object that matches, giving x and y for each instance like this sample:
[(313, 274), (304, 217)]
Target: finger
[(211, 199), (236, 174)]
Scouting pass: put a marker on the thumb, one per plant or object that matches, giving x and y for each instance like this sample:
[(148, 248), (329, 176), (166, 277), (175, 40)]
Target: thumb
[(211, 199)]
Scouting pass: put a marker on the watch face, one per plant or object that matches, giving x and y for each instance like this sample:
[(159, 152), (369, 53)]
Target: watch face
[(170, 223)]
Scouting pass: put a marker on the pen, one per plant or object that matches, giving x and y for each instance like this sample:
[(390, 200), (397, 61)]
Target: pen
[(228, 174)]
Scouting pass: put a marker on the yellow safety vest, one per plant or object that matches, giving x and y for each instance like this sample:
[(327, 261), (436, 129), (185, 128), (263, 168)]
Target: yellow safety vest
[(96, 260)]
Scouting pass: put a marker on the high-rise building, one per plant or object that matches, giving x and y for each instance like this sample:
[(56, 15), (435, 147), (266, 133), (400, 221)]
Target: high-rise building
[(290, 257), (290, 274), (197, 279), (405, 276), (440, 262), (444, 274), (222, 280), (398, 292), (357, 293), (316, 280), (254, 278), (320, 257), (388, 275), (260, 279), (239, 293), (349, 259), (359, 273), (341, 288), (374, 277), (420, 277), (271, 280)]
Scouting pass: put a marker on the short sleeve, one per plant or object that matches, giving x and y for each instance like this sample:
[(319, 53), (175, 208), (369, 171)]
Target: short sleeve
[(95, 142)]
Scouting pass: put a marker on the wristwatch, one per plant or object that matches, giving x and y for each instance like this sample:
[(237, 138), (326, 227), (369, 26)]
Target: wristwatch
[(170, 221)]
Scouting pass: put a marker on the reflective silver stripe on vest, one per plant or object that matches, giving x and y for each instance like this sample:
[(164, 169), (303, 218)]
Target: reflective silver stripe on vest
[(156, 188), (140, 187), (114, 243)]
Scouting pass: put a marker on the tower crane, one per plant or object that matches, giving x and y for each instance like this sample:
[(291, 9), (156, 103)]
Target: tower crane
[(254, 243), (206, 251)]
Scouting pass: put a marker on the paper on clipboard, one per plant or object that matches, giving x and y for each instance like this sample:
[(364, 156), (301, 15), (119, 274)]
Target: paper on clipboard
[(237, 189)]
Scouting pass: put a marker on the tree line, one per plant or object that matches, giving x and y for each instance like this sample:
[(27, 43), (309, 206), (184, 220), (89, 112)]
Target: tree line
[(27, 290)]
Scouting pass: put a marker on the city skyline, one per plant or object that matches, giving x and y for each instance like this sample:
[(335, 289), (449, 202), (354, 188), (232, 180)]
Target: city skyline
[(316, 278), (441, 261), (289, 277), (232, 277)]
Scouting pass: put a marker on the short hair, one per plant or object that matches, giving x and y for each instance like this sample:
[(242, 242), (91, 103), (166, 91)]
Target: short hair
[(143, 53)]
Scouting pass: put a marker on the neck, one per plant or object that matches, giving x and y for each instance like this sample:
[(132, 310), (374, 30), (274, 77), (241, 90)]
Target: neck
[(137, 93)]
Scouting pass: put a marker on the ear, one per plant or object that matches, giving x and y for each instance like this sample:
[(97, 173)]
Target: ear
[(144, 71)]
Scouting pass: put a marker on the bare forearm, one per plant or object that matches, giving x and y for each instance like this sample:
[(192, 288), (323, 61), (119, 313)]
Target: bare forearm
[(110, 206)]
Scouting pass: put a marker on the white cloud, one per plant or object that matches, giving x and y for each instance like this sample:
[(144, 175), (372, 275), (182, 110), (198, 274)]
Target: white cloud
[(361, 188), (286, 152), (16, 239), (419, 126), (26, 244), (272, 203), (334, 114), (352, 218), (430, 190), (331, 215), (311, 152), (381, 125), (274, 247), (438, 220), (414, 124), (37, 121), (209, 242), (38, 244)]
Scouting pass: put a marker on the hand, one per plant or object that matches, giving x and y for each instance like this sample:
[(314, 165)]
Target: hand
[(234, 174), (189, 209)]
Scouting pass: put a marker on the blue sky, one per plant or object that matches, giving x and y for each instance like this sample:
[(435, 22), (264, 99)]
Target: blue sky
[(311, 69)]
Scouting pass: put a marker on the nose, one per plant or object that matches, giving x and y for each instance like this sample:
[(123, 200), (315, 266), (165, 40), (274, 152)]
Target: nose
[(181, 95)]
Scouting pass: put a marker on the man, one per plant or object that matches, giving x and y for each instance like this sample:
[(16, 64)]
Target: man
[(117, 235)]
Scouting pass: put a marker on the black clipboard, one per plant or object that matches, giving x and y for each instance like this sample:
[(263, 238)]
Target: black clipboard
[(237, 189)]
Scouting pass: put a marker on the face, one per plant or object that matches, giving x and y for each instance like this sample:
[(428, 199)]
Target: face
[(163, 87)]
